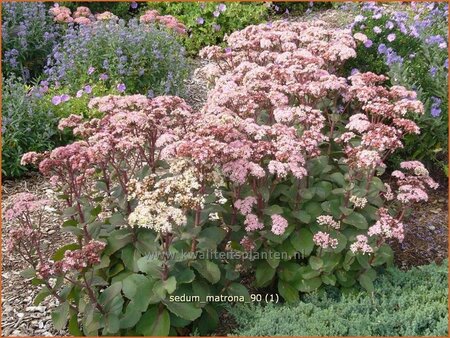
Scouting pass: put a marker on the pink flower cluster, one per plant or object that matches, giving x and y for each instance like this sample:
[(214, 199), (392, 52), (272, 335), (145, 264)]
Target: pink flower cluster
[(245, 206), (128, 135), (152, 16), (74, 260), (82, 15), (361, 245), (380, 125), (62, 14), (387, 226), (324, 240), (412, 186), (23, 204), (25, 234), (279, 224)]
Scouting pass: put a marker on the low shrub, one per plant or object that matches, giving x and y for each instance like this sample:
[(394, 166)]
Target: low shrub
[(410, 46), (283, 162), (209, 22), (143, 57), (122, 9), (25, 126), (300, 7), (28, 36), (412, 303)]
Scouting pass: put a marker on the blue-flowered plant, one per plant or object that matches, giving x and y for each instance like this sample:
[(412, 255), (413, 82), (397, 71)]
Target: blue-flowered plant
[(28, 35), (146, 59)]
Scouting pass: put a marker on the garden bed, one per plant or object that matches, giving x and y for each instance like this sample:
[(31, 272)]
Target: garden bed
[(314, 176)]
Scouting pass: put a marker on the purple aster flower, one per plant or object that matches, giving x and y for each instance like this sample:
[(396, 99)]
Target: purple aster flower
[(222, 7), (216, 13), (103, 77), (433, 71), (389, 25), (91, 70), (228, 50), (382, 48), (134, 5), (377, 29), (435, 111), (446, 63), (56, 100), (276, 8), (377, 16), (43, 89), (413, 31), (391, 37), (216, 27), (368, 43), (443, 45), (392, 57), (65, 98), (79, 93), (150, 94), (88, 89), (359, 18), (121, 87), (200, 21), (434, 39), (354, 71)]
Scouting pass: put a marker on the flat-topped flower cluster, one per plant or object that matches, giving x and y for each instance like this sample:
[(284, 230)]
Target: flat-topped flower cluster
[(83, 16), (285, 156)]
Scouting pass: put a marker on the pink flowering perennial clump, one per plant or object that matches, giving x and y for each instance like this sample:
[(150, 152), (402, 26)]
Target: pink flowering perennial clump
[(286, 156)]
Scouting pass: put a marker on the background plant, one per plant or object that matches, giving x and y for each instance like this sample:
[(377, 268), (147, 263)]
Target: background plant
[(410, 45), (26, 126), (122, 9), (209, 22), (144, 58), (393, 310), (28, 36)]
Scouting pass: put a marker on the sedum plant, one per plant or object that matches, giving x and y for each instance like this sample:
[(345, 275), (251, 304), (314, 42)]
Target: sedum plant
[(284, 160)]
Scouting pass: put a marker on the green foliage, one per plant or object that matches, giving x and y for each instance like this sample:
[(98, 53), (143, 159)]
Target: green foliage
[(77, 103), (144, 58), (418, 59), (300, 7), (412, 303), (26, 126), (212, 29)]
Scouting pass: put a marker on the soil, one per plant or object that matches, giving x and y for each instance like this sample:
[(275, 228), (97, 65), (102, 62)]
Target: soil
[(426, 233)]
